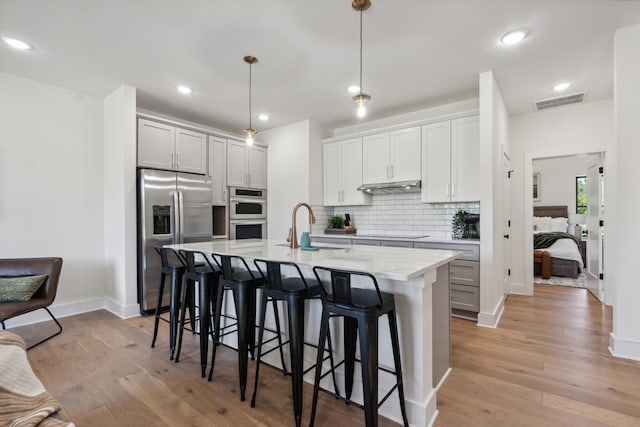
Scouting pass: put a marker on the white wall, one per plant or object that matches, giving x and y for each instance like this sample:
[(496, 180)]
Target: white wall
[(625, 338), (558, 178), (120, 201), (494, 140), (51, 183), (573, 129)]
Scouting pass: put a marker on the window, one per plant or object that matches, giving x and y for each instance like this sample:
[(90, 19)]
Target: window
[(581, 194)]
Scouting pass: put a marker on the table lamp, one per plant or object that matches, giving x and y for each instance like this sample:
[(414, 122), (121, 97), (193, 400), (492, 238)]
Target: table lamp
[(578, 220)]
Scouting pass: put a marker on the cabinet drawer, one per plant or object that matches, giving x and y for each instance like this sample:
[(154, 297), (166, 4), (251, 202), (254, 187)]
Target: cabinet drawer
[(465, 297), (363, 242), (397, 244), (465, 272), (469, 252)]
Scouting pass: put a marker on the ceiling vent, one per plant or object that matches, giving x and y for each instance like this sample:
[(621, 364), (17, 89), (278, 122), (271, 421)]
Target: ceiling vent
[(558, 102)]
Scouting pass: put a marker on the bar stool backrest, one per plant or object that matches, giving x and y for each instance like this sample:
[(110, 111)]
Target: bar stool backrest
[(341, 285), (224, 263), (274, 272), (189, 258), (165, 258)]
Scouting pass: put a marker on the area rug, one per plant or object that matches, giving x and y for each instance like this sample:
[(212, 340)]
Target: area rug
[(578, 282), (23, 399)]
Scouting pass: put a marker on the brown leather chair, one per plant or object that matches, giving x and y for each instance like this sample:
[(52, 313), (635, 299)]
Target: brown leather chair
[(43, 297)]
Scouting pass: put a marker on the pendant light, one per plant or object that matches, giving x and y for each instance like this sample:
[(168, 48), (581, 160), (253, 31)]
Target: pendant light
[(250, 132), (361, 98)]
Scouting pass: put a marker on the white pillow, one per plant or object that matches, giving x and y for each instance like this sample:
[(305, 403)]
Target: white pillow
[(541, 223), (559, 224)]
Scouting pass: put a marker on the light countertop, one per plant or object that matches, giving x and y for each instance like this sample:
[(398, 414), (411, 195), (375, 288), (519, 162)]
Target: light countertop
[(391, 263), (425, 239)]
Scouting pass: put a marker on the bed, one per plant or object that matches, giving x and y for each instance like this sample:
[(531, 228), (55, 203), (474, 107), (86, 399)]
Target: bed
[(564, 254)]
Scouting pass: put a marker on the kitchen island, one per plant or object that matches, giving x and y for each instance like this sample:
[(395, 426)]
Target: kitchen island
[(419, 279)]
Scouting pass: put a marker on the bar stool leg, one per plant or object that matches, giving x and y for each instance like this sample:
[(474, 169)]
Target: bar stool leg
[(296, 350), (395, 343), (324, 327), (263, 314), (350, 335), (368, 331), (276, 315), (174, 307), (158, 306), (216, 327), (183, 311), (205, 301), (242, 297)]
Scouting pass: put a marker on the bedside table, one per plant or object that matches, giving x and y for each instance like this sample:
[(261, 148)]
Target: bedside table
[(583, 252)]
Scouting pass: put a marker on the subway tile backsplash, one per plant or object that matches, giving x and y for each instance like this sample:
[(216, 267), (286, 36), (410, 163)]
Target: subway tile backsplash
[(398, 214)]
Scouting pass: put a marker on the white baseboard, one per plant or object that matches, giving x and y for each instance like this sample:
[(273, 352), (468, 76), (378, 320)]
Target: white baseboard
[(72, 308), (625, 349), (491, 320), (518, 289)]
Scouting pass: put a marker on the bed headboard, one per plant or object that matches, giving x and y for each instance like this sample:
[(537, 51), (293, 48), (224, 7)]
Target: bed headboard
[(552, 211)]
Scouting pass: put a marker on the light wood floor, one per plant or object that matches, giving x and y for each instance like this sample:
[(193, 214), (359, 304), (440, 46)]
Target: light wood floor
[(546, 365)]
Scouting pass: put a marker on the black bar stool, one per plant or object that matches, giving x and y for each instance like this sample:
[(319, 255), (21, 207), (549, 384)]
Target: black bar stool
[(361, 309), (174, 268), (295, 291), (207, 277), (243, 283)]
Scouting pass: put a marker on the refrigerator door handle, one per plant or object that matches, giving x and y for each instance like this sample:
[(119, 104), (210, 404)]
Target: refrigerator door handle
[(175, 234), (180, 217)]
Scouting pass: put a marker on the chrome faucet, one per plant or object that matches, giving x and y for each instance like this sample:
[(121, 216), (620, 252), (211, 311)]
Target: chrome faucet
[(293, 234)]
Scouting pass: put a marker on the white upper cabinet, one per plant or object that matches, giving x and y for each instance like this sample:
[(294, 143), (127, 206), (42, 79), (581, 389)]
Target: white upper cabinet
[(246, 165), (342, 173), (162, 146), (218, 169), (392, 156), (450, 161)]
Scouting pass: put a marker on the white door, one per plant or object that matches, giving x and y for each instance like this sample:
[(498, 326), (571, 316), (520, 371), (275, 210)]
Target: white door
[(332, 173), (257, 167), (156, 145), (352, 173), (595, 210), (191, 151), (465, 152), (218, 169), (237, 168), (376, 166), (405, 154), (506, 221), (436, 162)]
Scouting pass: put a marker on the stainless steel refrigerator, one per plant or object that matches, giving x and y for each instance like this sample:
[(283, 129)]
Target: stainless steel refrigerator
[(173, 207)]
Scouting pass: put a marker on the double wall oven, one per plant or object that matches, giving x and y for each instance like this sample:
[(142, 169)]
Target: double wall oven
[(247, 213)]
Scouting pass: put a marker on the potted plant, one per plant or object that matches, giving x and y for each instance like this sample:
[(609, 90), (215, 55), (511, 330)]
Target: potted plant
[(458, 224), (336, 221)]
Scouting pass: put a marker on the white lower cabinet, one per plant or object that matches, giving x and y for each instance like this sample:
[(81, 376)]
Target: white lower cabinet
[(342, 173), (450, 161)]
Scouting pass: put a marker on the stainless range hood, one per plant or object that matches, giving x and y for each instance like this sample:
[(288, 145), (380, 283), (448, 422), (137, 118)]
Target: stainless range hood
[(391, 187)]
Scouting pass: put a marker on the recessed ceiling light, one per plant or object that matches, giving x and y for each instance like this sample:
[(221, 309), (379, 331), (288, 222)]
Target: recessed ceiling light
[(264, 117), (513, 37), (184, 89), (17, 44), (354, 89), (561, 86)]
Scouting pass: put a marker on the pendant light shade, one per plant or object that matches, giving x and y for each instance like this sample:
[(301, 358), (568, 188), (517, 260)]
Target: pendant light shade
[(250, 131), (361, 98)]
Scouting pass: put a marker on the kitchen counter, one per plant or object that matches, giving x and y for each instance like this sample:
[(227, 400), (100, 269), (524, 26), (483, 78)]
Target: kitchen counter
[(425, 239), (419, 279)]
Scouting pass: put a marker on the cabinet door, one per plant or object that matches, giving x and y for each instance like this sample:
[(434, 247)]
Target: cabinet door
[(352, 173), (218, 169), (237, 164), (436, 162), (375, 157), (405, 154), (191, 151), (257, 167), (156, 145), (465, 166), (332, 173)]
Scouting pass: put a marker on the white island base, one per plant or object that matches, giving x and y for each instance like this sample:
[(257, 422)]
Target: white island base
[(419, 280)]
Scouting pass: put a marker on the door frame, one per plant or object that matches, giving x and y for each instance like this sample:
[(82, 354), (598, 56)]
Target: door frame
[(527, 221)]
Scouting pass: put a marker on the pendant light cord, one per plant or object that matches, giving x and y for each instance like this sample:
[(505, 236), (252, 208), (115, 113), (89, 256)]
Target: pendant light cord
[(361, 91), (250, 127)]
